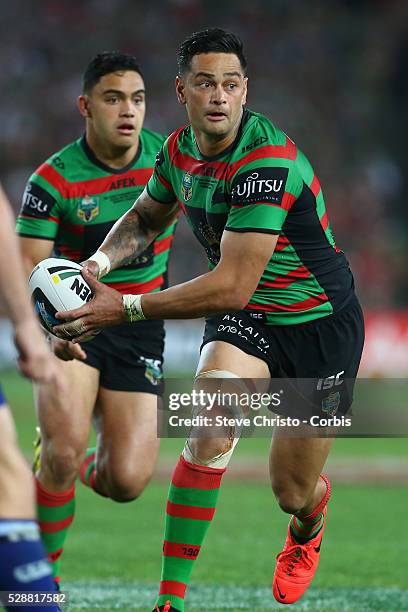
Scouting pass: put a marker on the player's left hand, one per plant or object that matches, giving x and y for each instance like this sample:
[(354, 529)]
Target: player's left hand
[(35, 359), (104, 310)]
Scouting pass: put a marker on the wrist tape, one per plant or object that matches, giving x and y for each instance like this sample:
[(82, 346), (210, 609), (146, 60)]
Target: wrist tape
[(103, 262), (133, 307)]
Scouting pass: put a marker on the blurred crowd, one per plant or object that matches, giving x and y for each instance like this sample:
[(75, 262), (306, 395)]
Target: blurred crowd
[(333, 75)]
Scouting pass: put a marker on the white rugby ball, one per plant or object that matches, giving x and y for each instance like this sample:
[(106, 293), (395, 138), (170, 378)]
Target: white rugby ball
[(57, 285)]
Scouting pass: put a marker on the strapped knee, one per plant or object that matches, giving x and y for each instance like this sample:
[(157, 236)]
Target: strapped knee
[(222, 459)]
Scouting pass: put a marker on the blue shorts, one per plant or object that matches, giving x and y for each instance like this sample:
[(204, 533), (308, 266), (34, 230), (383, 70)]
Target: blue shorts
[(2, 398)]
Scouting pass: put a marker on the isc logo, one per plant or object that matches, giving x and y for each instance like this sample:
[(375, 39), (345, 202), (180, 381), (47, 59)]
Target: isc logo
[(81, 289), (330, 381)]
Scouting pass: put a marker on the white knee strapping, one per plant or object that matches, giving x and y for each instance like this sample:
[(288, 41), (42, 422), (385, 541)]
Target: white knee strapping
[(220, 461), (216, 374), (221, 374)]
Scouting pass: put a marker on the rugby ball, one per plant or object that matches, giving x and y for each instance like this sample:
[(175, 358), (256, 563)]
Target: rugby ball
[(57, 285)]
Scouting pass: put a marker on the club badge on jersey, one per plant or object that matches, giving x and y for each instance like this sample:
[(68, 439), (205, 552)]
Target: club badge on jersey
[(88, 208), (187, 186)]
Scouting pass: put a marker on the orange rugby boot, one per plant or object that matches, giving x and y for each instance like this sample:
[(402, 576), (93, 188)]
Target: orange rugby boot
[(295, 566)]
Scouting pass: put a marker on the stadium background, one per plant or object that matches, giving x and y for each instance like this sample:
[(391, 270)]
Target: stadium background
[(334, 76)]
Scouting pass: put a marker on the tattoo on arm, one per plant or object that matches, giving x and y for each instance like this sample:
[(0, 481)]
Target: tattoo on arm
[(136, 229), (127, 239)]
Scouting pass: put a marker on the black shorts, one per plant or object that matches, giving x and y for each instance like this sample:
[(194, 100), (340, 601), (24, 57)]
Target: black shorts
[(320, 358), (129, 357)]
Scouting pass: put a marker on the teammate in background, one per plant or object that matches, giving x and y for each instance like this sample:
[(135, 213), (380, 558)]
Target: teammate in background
[(23, 562), (274, 270), (69, 205)]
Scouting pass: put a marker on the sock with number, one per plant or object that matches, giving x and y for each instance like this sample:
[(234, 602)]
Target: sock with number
[(190, 508)]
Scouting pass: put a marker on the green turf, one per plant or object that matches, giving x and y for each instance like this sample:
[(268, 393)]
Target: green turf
[(112, 557), (247, 533), (94, 596), (18, 392)]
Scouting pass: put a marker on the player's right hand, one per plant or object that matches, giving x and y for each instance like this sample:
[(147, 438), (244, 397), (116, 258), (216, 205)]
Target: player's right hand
[(92, 267), (67, 350)]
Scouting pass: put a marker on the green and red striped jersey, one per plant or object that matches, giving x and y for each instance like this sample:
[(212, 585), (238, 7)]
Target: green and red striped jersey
[(73, 199), (261, 183)]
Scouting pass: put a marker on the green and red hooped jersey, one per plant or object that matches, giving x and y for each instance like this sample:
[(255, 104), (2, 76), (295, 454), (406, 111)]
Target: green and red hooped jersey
[(73, 199), (261, 183)]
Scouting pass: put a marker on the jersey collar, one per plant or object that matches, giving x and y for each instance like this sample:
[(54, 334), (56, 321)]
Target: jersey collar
[(244, 120), (97, 162)]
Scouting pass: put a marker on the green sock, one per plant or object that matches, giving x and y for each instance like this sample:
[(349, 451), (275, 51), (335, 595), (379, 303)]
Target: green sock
[(303, 532), (55, 515), (191, 505), (87, 473)]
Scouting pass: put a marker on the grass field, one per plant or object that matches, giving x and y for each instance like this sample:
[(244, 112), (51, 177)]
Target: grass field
[(112, 556), (235, 566)]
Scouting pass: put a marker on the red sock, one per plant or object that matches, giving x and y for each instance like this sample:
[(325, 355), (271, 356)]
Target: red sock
[(319, 508), (307, 527), (87, 473), (191, 506), (55, 515)]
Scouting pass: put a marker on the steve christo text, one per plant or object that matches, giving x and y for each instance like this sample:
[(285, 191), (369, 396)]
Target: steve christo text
[(259, 420)]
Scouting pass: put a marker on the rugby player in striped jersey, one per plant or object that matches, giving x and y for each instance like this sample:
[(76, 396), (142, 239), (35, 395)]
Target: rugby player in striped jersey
[(279, 301), (70, 203)]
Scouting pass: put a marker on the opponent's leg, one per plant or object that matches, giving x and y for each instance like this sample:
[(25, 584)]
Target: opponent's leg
[(23, 562), (65, 425), (301, 490), (123, 463), (197, 478), (16, 485)]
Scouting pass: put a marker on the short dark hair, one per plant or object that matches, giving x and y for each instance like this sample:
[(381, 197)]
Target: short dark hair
[(211, 40), (105, 63)]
